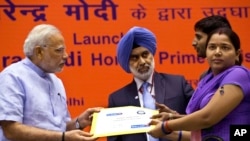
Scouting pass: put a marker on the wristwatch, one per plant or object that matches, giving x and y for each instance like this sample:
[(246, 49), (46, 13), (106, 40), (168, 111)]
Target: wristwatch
[(78, 126)]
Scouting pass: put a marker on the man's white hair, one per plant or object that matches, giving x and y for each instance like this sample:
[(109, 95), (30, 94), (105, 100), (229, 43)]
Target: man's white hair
[(38, 36)]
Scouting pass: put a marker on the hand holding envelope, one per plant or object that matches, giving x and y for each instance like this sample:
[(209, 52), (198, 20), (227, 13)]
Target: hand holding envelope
[(121, 120)]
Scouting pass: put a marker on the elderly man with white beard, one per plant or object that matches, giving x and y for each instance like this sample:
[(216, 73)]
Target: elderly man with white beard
[(135, 54)]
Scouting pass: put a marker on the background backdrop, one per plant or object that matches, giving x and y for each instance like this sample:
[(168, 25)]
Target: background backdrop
[(92, 29)]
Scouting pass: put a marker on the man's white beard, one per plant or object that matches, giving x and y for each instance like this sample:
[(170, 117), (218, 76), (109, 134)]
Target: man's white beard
[(143, 76)]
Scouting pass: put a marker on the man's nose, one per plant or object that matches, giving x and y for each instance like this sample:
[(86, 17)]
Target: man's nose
[(142, 60), (194, 43), (65, 55)]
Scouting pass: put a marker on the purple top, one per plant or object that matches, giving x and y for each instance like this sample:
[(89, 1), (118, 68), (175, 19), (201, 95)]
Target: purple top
[(236, 75)]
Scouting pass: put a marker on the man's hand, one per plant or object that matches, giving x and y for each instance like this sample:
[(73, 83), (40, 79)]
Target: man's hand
[(78, 135), (164, 108), (85, 119)]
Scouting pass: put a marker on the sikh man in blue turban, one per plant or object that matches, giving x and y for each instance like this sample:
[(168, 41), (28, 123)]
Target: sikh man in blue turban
[(149, 88)]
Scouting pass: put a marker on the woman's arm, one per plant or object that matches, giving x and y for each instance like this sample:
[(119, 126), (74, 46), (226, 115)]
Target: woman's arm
[(217, 108)]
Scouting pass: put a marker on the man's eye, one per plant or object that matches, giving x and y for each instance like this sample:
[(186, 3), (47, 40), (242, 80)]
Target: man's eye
[(60, 50), (198, 37), (145, 54), (132, 58)]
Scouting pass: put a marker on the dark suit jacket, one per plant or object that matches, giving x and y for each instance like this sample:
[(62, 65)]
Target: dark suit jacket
[(171, 90)]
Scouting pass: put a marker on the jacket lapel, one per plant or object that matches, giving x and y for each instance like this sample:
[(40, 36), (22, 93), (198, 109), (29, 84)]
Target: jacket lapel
[(133, 97), (159, 88)]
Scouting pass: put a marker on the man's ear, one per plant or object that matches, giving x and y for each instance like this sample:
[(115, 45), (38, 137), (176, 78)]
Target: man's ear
[(38, 52)]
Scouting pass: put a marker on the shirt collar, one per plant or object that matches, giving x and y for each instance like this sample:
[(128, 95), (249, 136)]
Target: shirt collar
[(139, 82), (34, 67)]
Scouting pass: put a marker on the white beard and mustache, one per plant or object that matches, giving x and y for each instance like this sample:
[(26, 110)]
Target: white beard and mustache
[(143, 76)]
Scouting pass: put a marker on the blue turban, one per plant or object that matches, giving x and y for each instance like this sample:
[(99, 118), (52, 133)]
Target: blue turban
[(135, 36)]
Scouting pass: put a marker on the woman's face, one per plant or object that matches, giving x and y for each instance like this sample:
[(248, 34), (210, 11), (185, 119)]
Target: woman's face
[(221, 53)]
